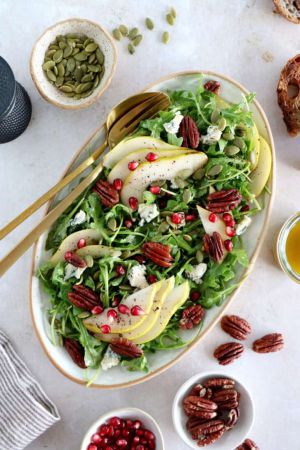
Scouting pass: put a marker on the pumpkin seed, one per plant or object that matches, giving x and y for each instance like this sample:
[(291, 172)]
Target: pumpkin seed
[(239, 142), (222, 124), (165, 37), (99, 56), (215, 115), (187, 238), (199, 256), (232, 150), (84, 68), (82, 56), (228, 136), (58, 56), (215, 170), (68, 51), (126, 254), (50, 53), (84, 315), (117, 34), (86, 94), (240, 131), (92, 58), (89, 260), (55, 70), (124, 30), (199, 174), (54, 47), (180, 182), (59, 81), (187, 196), (112, 224), (185, 173), (64, 62), (137, 40), (62, 45), (60, 69), (66, 88), (131, 49), (51, 75), (78, 74), (81, 46), (173, 12), (87, 77), (48, 65), (93, 68), (164, 226), (96, 81), (149, 23), (83, 87), (133, 33), (75, 51), (90, 48), (170, 19), (71, 64)]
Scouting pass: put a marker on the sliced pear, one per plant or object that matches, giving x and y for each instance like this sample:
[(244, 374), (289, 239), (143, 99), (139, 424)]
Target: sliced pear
[(127, 146), (126, 322), (260, 175), (162, 169), (160, 296), (173, 301), (209, 226), (120, 170), (70, 243), (254, 146), (96, 251)]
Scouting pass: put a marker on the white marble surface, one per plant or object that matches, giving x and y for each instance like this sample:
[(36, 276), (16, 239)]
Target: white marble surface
[(230, 36)]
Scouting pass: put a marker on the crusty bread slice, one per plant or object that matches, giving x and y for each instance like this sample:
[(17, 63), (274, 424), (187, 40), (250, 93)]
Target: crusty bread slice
[(290, 9), (289, 101)]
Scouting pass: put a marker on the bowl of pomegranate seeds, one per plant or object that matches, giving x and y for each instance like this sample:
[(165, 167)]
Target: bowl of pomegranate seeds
[(214, 410), (126, 429)]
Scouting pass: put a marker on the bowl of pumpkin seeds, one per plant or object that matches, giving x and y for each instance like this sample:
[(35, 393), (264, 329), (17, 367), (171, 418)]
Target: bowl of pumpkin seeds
[(73, 62)]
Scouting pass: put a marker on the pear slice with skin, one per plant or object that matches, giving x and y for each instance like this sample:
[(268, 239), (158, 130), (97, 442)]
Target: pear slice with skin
[(162, 169), (260, 175), (173, 301), (96, 251), (125, 322), (127, 146), (121, 170), (166, 287)]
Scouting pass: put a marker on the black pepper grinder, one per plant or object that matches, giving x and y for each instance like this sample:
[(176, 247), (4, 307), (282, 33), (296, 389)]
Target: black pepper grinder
[(15, 105)]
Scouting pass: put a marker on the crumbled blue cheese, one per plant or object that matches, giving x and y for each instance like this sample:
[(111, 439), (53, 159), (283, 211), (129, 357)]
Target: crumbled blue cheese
[(72, 271), (79, 218), (110, 359), (137, 276), (147, 212), (172, 127), (197, 272), (243, 225), (213, 135)]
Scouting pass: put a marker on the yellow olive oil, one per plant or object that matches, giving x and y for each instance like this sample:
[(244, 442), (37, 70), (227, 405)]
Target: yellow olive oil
[(292, 247)]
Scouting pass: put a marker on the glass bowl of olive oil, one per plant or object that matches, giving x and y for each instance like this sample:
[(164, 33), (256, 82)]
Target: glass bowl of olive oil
[(288, 247)]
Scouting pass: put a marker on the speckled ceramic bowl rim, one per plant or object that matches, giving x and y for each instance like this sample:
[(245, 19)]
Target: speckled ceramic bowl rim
[(92, 98)]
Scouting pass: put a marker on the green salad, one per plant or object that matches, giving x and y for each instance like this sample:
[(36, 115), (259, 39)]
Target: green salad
[(157, 240)]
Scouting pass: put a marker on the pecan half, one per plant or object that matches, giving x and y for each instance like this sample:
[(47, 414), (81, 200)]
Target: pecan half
[(76, 351), (201, 391), (206, 428), (158, 253), (224, 383), (226, 399), (213, 245), (193, 422), (248, 444), (125, 347), (83, 297), (109, 196), (236, 327), (222, 201), (75, 260), (211, 438), (191, 317), (227, 353), (213, 86), (269, 343), (199, 407), (190, 133), (232, 418)]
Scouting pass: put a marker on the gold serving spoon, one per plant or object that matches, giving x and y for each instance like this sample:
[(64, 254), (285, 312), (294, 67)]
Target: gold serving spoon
[(121, 121)]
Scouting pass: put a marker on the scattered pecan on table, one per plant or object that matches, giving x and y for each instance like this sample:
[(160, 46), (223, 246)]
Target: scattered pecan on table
[(236, 327), (158, 253), (227, 353), (269, 343), (109, 196), (189, 132), (248, 444), (125, 347)]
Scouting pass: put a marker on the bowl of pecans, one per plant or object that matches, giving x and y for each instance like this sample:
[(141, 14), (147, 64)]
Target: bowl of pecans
[(214, 410), (73, 62)]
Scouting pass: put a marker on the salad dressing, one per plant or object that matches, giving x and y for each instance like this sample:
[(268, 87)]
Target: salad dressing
[(293, 247)]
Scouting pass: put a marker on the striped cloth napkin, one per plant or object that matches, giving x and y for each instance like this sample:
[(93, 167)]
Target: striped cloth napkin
[(25, 410)]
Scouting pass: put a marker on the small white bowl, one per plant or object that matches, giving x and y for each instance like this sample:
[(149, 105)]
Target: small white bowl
[(126, 413), (73, 26), (230, 439)]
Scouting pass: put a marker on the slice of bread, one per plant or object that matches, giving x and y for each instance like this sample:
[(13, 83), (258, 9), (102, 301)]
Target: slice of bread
[(288, 92), (290, 9)]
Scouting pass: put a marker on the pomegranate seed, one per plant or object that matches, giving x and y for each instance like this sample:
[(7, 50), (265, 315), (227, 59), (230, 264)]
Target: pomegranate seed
[(117, 433), (155, 190), (122, 442), (231, 223), (213, 217), (190, 217), (96, 438), (81, 243), (129, 423), (245, 208), (133, 203), (108, 447), (132, 165), (149, 435), (195, 295), (151, 445), (137, 424), (139, 432), (105, 329), (152, 279), (140, 447), (151, 157), (137, 311), (111, 431), (125, 432), (68, 256), (92, 447), (112, 315), (230, 231), (120, 270), (226, 218), (115, 302), (118, 184), (228, 245), (128, 223), (136, 440), (140, 258), (176, 218), (103, 429), (123, 309), (97, 309), (115, 421)]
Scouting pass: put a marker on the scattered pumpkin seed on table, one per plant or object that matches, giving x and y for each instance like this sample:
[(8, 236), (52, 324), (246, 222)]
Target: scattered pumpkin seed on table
[(117, 34), (149, 23), (124, 30), (165, 37), (170, 19), (133, 33), (131, 48)]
